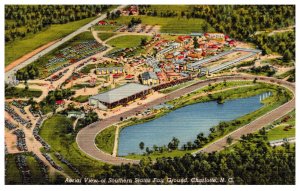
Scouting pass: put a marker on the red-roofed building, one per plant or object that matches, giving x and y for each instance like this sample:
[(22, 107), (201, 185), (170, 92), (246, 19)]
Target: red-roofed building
[(59, 102), (129, 77), (232, 43), (117, 75), (102, 23)]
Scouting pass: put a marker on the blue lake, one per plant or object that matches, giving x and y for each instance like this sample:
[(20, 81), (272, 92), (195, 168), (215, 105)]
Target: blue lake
[(184, 123)]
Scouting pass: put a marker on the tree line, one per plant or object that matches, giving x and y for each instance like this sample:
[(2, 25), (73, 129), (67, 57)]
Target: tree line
[(251, 161), (21, 20), (283, 43)]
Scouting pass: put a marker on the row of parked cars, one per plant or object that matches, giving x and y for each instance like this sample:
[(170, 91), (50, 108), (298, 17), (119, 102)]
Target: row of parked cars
[(23, 167), (63, 160), (37, 136), (20, 105), (21, 143), (9, 125), (49, 159), (43, 167), (15, 116)]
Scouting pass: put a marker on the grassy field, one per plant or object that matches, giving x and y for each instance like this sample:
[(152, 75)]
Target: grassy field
[(81, 98), (279, 132), (53, 131), (21, 93), (127, 41), (171, 25), (35, 170), (175, 8), (18, 48), (13, 175), (105, 36), (105, 139)]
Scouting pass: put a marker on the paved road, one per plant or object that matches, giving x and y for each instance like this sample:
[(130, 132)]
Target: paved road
[(85, 138), (9, 74)]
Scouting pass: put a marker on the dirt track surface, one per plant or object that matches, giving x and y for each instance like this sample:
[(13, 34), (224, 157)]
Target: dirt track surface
[(86, 137)]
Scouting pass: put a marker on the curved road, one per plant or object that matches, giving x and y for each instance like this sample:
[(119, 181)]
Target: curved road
[(86, 137), (10, 73)]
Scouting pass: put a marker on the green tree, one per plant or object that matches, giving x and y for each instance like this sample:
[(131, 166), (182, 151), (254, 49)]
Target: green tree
[(229, 140), (195, 42), (142, 145), (287, 56)]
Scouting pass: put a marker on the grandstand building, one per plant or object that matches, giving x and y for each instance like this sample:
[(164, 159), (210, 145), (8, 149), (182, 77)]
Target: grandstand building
[(119, 96)]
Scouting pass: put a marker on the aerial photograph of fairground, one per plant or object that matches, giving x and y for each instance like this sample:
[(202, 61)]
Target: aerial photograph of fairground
[(149, 94)]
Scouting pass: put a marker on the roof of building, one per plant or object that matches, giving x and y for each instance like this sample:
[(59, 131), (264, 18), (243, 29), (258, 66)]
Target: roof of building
[(75, 112), (120, 93), (149, 75)]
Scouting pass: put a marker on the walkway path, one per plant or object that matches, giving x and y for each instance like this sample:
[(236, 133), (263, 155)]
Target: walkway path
[(86, 137), (115, 151)]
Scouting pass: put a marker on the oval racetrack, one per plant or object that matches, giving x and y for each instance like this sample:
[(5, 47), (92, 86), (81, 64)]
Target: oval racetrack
[(86, 136)]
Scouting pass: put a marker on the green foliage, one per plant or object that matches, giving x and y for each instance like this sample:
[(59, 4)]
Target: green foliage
[(53, 131), (142, 145), (267, 70), (13, 92), (143, 41), (105, 36), (12, 173), (89, 118), (16, 49), (173, 144), (282, 43), (245, 20), (127, 41), (251, 162), (171, 25), (22, 20), (195, 42), (134, 21), (58, 95), (81, 98), (29, 72), (105, 139)]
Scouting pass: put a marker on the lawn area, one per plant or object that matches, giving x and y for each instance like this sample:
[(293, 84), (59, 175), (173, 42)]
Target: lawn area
[(171, 25), (127, 41), (35, 170), (105, 139), (81, 98), (105, 36), (54, 132), (21, 93), (283, 127), (13, 175), (175, 8), (279, 132), (18, 48)]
